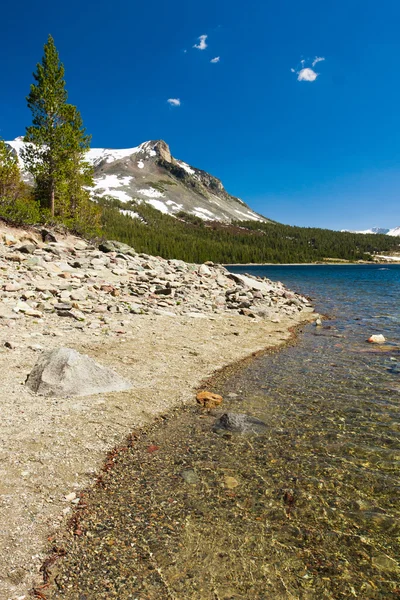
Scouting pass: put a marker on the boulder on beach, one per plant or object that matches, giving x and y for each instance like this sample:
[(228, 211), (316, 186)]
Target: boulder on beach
[(377, 339), (239, 423), (65, 372)]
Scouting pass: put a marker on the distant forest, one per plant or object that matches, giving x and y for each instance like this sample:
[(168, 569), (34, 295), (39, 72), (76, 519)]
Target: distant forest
[(190, 239)]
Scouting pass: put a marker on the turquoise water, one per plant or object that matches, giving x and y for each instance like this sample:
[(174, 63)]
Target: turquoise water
[(362, 299)]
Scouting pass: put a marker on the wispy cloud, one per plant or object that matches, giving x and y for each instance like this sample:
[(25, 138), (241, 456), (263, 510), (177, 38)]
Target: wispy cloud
[(317, 59), (202, 45), (215, 60), (174, 101), (307, 75)]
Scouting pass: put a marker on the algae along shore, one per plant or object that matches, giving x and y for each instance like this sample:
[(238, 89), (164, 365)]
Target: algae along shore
[(163, 326)]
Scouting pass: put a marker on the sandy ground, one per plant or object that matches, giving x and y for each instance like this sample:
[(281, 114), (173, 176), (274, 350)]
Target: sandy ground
[(50, 447)]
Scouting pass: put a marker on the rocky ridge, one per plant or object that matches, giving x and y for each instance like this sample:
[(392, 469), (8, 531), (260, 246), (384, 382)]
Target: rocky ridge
[(150, 174), (99, 287)]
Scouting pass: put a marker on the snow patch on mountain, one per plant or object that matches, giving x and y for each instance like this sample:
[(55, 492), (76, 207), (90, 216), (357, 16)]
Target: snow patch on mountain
[(105, 186), (248, 216), (151, 193), (377, 230), (185, 167), (159, 205), (131, 213), (395, 231)]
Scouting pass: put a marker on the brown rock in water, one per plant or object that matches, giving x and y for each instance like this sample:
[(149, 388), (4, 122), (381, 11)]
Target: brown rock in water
[(230, 482), (208, 399)]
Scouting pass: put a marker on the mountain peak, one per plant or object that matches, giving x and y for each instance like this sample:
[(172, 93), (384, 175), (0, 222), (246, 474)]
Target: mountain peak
[(149, 173), (163, 151)]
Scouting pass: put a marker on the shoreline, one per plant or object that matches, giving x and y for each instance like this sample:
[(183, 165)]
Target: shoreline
[(212, 382), (67, 440), (395, 261), (52, 448)]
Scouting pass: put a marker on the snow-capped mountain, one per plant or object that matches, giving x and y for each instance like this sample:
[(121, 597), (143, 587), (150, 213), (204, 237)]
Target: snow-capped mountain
[(393, 232), (149, 173)]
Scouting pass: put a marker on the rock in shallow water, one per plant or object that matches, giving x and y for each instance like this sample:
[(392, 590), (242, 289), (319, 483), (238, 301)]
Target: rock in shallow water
[(239, 423), (65, 372), (208, 399), (376, 339)]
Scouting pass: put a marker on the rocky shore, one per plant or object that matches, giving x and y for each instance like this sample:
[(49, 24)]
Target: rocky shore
[(164, 325)]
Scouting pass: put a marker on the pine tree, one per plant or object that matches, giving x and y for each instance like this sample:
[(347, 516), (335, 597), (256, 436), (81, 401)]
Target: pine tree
[(10, 178), (57, 141)]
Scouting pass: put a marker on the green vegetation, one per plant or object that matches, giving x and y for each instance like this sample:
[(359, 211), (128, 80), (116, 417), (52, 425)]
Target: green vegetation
[(56, 146), (16, 202), (193, 240)]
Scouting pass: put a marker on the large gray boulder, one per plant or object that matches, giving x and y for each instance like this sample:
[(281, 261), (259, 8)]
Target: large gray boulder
[(65, 372)]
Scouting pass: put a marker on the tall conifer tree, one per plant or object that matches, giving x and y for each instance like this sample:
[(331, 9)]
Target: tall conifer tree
[(57, 141)]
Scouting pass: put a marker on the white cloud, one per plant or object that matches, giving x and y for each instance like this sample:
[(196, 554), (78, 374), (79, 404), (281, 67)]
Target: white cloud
[(216, 59), (307, 75), (202, 45), (174, 101), (317, 59), (293, 70)]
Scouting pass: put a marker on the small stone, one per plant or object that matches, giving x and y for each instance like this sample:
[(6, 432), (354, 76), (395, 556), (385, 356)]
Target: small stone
[(13, 287), (239, 423), (10, 345), (204, 270), (230, 482), (190, 476), (72, 313), (318, 322), (36, 347), (208, 399), (47, 236), (70, 497), (377, 339), (27, 248)]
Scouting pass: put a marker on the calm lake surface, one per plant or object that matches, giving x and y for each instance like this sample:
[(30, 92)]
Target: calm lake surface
[(308, 510)]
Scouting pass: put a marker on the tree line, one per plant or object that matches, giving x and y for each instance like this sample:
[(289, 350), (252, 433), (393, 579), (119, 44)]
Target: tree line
[(194, 240)]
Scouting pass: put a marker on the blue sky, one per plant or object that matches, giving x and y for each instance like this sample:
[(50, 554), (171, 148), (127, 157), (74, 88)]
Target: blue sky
[(323, 153)]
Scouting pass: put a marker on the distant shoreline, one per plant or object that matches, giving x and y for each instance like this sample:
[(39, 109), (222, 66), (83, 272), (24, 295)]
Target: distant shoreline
[(314, 264)]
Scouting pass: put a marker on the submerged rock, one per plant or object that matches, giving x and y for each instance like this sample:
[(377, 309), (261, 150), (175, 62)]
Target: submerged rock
[(239, 423), (65, 372), (377, 339)]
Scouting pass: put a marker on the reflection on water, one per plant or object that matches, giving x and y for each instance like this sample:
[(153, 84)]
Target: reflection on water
[(309, 509)]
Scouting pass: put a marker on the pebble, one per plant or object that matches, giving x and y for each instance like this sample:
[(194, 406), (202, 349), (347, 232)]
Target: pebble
[(230, 482), (70, 497)]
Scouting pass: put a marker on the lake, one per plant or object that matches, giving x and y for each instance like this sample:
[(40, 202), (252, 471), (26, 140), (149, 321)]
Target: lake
[(308, 509)]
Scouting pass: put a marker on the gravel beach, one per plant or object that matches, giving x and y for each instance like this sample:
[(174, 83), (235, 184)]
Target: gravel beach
[(112, 310)]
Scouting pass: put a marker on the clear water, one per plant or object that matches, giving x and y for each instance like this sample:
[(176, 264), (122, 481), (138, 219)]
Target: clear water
[(310, 509)]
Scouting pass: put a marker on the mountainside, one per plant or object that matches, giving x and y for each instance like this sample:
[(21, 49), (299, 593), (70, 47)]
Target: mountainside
[(380, 230), (149, 173)]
